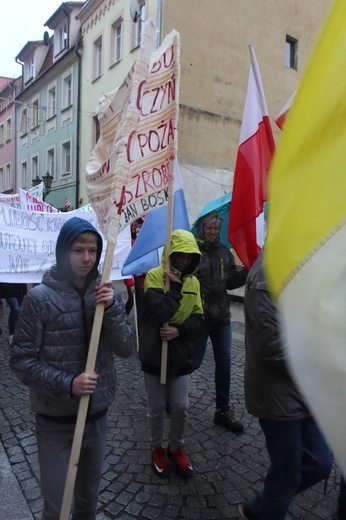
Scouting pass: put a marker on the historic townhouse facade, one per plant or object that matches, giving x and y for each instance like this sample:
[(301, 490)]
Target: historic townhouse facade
[(9, 88), (48, 108), (96, 42)]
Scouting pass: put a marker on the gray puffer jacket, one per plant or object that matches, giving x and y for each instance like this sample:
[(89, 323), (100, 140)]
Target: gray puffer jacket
[(51, 342), (270, 392)]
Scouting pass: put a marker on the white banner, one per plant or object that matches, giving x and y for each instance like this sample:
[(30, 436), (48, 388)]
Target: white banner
[(30, 202), (28, 239), (12, 199)]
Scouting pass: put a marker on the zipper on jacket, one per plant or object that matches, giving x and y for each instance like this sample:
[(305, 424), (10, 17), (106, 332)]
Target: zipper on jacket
[(222, 268)]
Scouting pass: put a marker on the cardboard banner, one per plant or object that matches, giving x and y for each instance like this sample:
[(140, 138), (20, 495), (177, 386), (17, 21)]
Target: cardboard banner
[(28, 239), (30, 202), (132, 164)]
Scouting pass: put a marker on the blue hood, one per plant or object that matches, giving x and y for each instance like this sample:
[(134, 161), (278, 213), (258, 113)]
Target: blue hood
[(68, 233)]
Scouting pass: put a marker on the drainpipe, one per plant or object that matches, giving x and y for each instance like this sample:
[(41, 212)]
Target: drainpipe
[(78, 123), (159, 24), (14, 148), (22, 65)]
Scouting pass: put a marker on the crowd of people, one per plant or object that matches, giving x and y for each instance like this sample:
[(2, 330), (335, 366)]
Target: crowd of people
[(185, 301)]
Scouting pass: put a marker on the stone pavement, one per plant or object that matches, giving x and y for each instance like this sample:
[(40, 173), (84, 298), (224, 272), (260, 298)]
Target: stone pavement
[(228, 468)]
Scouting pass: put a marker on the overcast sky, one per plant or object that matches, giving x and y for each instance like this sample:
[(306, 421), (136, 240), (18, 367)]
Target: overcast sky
[(22, 21)]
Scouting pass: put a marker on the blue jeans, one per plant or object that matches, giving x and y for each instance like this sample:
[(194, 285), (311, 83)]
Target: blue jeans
[(14, 304), (299, 458), (221, 339)]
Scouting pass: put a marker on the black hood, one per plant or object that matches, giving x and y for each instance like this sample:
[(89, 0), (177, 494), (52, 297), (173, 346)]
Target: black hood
[(68, 233)]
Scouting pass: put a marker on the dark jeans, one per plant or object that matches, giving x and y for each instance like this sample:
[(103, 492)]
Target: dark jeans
[(299, 458), (14, 304), (342, 501), (221, 339), (138, 298), (54, 441)]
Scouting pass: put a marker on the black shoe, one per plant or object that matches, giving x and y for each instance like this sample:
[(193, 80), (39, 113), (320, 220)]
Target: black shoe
[(245, 513), (225, 417), (340, 515)]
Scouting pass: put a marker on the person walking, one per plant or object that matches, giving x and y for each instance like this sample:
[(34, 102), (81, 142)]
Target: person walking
[(299, 455), (135, 285), (13, 293), (50, 348), (175, 316), (217, 274)]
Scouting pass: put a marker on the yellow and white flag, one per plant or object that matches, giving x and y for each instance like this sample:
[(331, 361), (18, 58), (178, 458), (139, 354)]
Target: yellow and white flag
[(305, 253)]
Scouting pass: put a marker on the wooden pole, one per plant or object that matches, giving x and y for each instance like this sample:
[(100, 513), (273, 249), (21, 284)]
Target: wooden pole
[(164, 351), (136, 315), (84, 400)]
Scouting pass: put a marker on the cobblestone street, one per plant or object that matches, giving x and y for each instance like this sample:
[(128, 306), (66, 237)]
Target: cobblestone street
[(228, 468)]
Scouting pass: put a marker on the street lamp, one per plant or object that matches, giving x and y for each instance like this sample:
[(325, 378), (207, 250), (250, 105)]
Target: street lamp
[(36, 181), (47, 182)]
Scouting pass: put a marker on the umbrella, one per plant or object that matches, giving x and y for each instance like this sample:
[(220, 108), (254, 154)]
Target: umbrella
[(222, 206)]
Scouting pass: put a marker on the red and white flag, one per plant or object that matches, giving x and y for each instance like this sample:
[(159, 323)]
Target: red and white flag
[(255, 151), (281, 118), (68, 205)]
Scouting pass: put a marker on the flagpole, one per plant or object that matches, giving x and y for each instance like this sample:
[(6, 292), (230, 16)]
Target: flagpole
[(164, 352), (135, 313), (84, 400)]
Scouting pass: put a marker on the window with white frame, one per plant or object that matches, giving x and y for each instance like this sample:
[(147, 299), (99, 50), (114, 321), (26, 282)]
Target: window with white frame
[(67, 91), (116, 41), (138, 26), (291, 52), (51, 161), (66, 159), (24, 121), (24, 174), (35, 114), (51, 112), (8, 129), (34, 167), (29, 69), (98, 57), (7, 180), (60, 38), (96, 130), (2, 179), (2, 134)]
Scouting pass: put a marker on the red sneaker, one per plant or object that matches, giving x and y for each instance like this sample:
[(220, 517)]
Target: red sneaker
[(182, 463), (159, 462)]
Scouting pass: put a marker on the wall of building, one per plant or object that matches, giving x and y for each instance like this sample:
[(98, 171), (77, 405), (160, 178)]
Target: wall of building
[(215, 66)]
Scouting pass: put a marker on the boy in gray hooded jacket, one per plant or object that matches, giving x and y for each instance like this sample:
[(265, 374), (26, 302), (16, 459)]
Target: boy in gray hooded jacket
[(50, 348)]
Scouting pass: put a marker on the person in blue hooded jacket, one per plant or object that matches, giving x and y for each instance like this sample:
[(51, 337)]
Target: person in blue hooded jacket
[(50, 348)]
